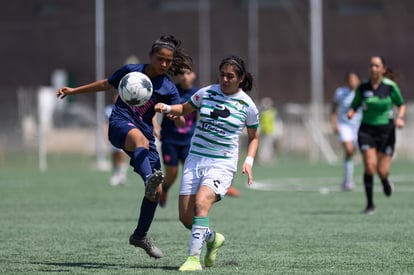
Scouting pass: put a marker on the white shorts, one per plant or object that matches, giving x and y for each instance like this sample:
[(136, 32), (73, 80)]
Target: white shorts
[(214, 173), (347, 133)]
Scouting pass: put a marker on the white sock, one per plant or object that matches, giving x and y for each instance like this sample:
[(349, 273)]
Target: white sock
[(198, 236), (348, 170), (210, 235)]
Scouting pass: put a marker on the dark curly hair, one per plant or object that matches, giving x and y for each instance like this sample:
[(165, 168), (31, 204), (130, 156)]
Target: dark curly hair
[(181, 60)]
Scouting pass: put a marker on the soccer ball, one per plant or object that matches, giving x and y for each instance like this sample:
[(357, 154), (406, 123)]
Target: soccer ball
[(135, 89)]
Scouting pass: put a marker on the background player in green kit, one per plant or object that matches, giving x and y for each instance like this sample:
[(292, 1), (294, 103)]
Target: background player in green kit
[(376, 135)]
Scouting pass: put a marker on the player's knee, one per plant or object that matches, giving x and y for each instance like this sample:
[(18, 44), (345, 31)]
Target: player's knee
[(382, 173)]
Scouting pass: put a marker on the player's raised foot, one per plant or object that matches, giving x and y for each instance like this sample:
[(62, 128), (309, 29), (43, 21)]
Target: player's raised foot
[(369, 210), (233, 192), (163, 199), (212, 248), (147, 245), (152, 185), (388, 187), (191, 264)]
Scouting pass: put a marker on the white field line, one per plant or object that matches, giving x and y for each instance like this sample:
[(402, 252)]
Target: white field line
[(325, 184)]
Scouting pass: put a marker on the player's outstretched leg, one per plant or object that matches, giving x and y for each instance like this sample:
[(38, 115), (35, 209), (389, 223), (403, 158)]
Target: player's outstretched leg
[(212, 248)]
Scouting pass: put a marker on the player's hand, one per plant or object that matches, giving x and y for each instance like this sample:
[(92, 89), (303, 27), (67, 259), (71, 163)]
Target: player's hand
[(399, 122), (162, 108), (350, 114), (172, 117), (63, 92), (247, 169)]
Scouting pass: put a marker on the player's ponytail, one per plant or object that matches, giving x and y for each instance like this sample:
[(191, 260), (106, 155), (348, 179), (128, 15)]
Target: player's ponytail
[(389, 73), (240, 68)]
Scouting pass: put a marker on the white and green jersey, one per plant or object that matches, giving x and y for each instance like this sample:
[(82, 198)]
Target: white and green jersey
[(222, 118)]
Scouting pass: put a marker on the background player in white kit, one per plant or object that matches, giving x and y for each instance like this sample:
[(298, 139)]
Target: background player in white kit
[(347, 129)]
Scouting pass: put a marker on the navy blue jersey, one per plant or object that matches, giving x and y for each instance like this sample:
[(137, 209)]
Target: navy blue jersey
[(164, 91), (172, 134)]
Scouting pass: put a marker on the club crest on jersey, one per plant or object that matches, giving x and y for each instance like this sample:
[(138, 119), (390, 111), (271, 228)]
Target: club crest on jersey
[(368, 93), (220, 111), (240, 105)]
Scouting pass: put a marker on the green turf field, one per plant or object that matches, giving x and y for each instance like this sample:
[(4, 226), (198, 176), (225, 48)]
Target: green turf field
[(294, 220)]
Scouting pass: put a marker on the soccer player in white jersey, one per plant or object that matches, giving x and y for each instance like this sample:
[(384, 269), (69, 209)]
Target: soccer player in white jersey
[(225, 110), (347, 129)]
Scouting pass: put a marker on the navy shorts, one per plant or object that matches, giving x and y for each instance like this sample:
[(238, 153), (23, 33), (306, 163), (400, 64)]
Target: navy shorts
[(172, 154), (380, 137), (118, 131)]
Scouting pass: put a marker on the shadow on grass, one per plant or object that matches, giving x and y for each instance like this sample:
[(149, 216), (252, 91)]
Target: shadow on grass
[(329, 212), (91, 265)]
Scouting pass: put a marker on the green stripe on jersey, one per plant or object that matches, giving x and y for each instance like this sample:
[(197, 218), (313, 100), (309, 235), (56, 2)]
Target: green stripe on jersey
[(208, 155), (214, 134), (212, 141)]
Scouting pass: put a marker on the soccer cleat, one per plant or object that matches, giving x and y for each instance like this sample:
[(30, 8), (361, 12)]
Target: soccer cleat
[(388, 188), (233, 192), (163, 199), (191, 264), (147, 245), (212, 248), (369, 210), (348, 186), (152, 185)]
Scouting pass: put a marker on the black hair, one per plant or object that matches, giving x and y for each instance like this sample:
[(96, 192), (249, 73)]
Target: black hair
[(348, 75), (181, 59), (240, 68)]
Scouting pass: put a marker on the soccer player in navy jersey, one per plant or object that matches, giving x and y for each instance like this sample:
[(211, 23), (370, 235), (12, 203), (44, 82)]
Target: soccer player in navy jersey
[(131, 129)]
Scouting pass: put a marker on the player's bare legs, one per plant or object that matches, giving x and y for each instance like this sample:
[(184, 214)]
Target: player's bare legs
[(383, 168), (170, 176)]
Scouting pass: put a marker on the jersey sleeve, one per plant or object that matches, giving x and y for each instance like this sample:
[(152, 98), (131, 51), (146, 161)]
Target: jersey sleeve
[(196, 99), (357, 101), (252, 119), (116, 77), (396, 96), (336, 96)]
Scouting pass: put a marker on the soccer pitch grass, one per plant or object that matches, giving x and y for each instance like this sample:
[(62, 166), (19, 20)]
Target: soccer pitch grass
[(294, 220)]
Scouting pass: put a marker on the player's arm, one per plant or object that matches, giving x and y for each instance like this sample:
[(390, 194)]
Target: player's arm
[(252, 145), (156, 127), (100, 85), (334, 117), (176, 110), (399, 121), (398, 100), (179, 121), (356, 102)]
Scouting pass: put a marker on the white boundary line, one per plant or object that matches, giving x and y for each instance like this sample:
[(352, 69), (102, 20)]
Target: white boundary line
[(324, 185)]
